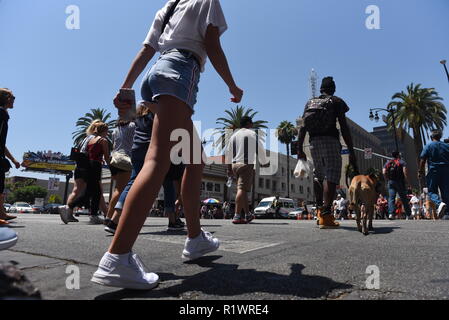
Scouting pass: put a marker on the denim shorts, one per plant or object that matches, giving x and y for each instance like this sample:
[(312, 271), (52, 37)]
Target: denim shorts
[(176, 73)]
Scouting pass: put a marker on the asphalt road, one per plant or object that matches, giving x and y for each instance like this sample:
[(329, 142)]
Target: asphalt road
[(267, 260)]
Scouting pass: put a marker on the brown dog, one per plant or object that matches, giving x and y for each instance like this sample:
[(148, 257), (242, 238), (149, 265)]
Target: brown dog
[(363, 194)]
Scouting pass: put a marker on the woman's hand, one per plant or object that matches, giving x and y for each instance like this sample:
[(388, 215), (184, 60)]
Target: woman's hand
[(237, 94), (122, 106)]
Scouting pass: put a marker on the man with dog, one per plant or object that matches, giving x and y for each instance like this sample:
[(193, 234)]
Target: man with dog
[(436, 155), (396, 175), (320, 121)]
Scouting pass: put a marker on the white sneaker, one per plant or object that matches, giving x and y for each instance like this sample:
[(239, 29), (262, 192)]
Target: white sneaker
[(64, 214), (198, 247), (441, 210), (128, 274)]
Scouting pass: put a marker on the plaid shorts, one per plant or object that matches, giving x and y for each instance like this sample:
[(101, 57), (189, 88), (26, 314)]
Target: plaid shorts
[(326, 154)]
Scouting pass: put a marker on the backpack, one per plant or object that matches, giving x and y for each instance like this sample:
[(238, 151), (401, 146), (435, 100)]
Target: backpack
[(395, 170), (318, 118)]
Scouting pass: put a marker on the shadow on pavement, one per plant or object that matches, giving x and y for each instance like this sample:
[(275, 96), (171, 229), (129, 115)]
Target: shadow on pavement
[(377, 230), (224, 280)]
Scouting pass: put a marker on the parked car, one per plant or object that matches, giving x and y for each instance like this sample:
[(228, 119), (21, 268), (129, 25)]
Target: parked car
[(7, 206), (21, 207), (52, 208), (265, 208), (37, 209), (299, 212), (81, 212)]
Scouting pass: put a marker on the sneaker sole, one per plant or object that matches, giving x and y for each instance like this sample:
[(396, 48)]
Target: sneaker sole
[(107, 229), (240, 222), (198, 255), (4, 245), (175, 229), (116, 283)]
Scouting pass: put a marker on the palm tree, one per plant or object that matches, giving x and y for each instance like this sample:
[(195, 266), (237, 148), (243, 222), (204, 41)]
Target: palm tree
[(286, 134), (420, 111), (233, 122), (84, 122)]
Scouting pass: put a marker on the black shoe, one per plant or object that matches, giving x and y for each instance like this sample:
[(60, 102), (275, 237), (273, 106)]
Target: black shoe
[(111, 227), (180, 222), (175, 226), (106, 221)]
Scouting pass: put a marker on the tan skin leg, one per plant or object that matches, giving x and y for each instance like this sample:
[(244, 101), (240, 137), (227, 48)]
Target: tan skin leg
[(171, 114), (241, 202), (121, 180), (78, 191)]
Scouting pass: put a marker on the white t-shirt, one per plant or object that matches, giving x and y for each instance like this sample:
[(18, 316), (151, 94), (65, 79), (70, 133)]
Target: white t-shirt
[(415, 202), (340, 204), (187, 27), (244, 141)]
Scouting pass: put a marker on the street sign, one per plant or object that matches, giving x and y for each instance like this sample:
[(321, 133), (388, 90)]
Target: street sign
[(368, 153), (53, 184)]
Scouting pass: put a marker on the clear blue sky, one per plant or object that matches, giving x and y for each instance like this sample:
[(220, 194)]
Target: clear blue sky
[(59, 74)]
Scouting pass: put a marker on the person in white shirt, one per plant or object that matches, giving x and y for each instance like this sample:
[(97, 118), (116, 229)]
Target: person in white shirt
[(185, 32), (243, 148), (414, 203)]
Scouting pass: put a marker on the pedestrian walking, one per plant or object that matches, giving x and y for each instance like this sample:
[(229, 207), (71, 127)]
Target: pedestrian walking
[(415, 207), (7, 100), (382, 207), (320, 121), (436, 155), (139, 149), (121, 165), (396, 175), (242, 149), (185, 32), (97, 153)]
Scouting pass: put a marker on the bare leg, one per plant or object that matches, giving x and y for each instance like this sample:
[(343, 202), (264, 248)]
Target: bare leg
[(241, 202), (330, 189), (147, 185), (121, 180)]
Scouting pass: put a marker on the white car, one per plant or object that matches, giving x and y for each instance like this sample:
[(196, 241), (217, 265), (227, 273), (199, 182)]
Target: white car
[(296, 213), (21, 207), (265, 208)]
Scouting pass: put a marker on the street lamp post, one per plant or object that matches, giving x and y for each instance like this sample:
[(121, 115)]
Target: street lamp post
[(443, 62), (376, 118)]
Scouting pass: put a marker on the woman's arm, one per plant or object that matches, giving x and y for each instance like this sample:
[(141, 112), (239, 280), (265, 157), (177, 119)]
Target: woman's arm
[(10, 156), (220, 63), (105, 145), (138, 66)]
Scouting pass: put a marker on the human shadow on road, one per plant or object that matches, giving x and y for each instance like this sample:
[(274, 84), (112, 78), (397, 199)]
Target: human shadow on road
[(269, 224), (377, 230), (225, 280)]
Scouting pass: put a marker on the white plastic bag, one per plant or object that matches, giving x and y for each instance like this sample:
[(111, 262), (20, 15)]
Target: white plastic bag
[(304, 169)]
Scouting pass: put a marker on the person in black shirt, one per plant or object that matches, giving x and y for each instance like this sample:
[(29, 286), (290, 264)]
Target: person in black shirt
[(320, 121), (6, 102)]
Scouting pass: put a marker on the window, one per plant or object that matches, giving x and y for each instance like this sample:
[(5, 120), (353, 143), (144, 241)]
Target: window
[(275, 185), (283, 186), (203, 186), (292, 173), (283, 171), (210, 186), (217, 187), (293, 188), (301, 189), (261, 183), (267, 184), (308, 189)]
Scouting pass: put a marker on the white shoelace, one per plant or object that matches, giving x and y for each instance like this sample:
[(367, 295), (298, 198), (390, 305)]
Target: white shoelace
[(207, 235)]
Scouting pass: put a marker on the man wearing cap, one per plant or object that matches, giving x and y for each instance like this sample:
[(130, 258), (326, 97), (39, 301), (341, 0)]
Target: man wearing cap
[(326, 148), (242, 149), (436, 155)]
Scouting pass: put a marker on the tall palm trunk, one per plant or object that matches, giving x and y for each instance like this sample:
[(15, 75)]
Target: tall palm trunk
[(288, 170), (417, 139)]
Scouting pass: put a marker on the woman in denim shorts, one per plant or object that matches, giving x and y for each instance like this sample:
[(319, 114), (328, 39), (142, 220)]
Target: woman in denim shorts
[(185, 32)]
